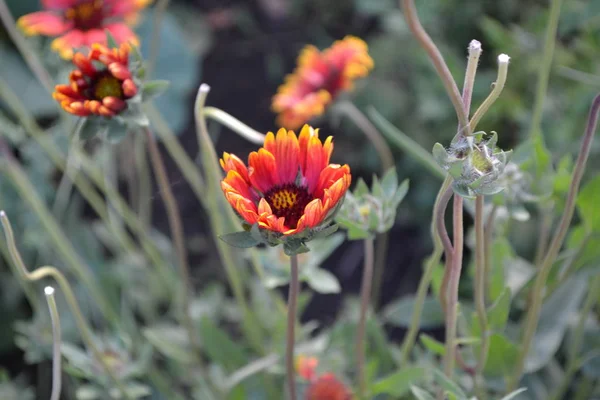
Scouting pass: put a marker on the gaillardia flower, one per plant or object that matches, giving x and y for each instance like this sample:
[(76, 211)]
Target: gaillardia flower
[(306, 366), (327, 387), (289, 190), (81, 23), (101, 84), (319, 78)]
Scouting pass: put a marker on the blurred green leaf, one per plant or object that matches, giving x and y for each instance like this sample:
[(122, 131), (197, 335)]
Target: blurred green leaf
[(498, 312), (171, 341), (448, 385), (242, 239), (153, 89), (398, 383), (220, 348), (588, 204), (322, 281), (432, 344), (502, 356), (399, 313), (420, 394)]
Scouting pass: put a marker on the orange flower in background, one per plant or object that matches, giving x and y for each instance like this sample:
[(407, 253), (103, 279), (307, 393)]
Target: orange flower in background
[(319, 77), (327, 387), (81, 23), (101, 84), (307, 366), (289, 185)]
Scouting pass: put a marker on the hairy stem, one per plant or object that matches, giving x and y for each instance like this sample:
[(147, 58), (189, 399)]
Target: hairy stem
[(533, 314), (235, 125), (365, 297), (479, 292), (487, 246), (56, 354), (291, 327)]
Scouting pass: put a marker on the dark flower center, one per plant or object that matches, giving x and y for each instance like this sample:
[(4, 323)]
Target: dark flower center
[(288, 201), (87, 14), (107, 85)]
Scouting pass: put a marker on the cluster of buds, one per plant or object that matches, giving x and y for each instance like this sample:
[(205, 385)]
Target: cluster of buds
[(475, 164), (367, 212)]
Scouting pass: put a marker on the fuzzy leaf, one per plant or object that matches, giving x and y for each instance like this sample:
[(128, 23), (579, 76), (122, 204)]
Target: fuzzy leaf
[(389, 182), (242, 240), (322, 281), (420, 394), (432, 344), (498, 312), (448, 385), (153, 89), (439, 155), (587, 204), (361, 188), (398, 383)]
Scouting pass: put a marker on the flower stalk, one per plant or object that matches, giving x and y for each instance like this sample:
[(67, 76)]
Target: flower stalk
[(537, 295), (63, 283), (56, 354), (291, 326), (365, 297), (479, 292)]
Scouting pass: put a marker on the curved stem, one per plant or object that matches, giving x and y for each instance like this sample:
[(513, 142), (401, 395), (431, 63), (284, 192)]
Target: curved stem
[(410, 13), (234, 124), (32, 60), (430, 265), (365, 297), (48, 271), (533, 314), (176, 227), (452, 292), (444, 240), (291, 325), (544, 71), (56, 354), (479, 295)]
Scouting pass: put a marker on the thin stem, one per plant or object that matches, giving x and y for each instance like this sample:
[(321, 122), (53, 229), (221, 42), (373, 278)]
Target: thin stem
[(411, 147), (572, 363), (546, 218), (503, 60), (489, 237), (291, 325), (430, 265), (538, 290), (63, 283), (159, 13), (235, 125), (63, 246), (32, 60), (365, 297), (144, 206), (444, 240), (348, 109), (63, 192), (479, 295), (452, 292), (545, 67), (177, 233), (410, 13), (56, 354), (470, 72)]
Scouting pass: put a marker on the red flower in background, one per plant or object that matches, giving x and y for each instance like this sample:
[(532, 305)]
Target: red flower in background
[(327, 387), (99, 90), (289, 185), (319, 77), (81, 23), (307, 367)]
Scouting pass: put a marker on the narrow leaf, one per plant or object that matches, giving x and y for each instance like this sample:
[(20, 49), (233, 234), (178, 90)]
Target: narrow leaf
[(242, 240)]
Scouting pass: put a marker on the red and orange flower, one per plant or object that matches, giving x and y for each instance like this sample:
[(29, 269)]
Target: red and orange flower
[(306, 366), (319, 77), (101, 84), (327, 387), (81, 23), (289, 188)]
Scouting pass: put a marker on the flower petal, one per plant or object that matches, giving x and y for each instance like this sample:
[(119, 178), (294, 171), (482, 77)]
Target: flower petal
[(44, 23), (231, 162), (329, 176), (122, 33), (262, 170), (59, 4), (65, 44), (234, 181), (286, 151)]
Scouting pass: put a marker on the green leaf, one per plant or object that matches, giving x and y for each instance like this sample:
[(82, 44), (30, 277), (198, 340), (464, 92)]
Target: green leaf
[(399, 313), (400, 193), (325, 232), (389, 182), (498, 312), (502, 356), (588, 204), (242, 239), (398, 383), (448, 385), (432, 344), (93, 127), (376, 188), (322, 281), (440, 155), (293, 247), (514, 394), (153, 89), (361, 188), (220, 348), (554, 320), (110, 40), (171, 341), (355, 230), (420, 394)]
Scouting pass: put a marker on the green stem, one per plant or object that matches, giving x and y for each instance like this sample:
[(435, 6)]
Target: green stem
[(573, 363), (479, 295), (62, 244), (177, 234), (545, 66), (365, 297), (533, 314), (410, 13), (144, 205), (49, 271), (291, 327), (425, 282), (56, 354), (235, 125), (487, 247), (32, 60)]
